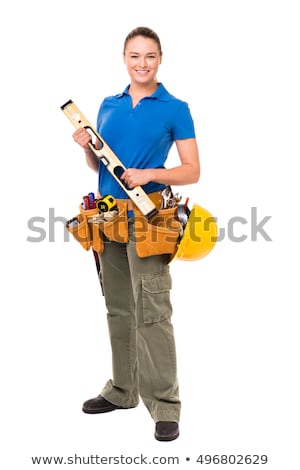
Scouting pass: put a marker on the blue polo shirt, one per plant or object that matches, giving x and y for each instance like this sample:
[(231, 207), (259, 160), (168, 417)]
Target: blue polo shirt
[(142, 136)]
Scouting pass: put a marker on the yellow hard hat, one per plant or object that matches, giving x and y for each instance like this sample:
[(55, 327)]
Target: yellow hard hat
[(199, 236)]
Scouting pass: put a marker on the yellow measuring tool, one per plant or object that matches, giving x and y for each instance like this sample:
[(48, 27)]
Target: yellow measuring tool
[(110, 160)]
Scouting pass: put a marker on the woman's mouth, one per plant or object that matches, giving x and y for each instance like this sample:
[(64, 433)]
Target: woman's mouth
[(142, 72)]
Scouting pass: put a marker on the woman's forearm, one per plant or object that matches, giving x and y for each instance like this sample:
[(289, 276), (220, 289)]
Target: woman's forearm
[(180, 175), (186, 173), (91, 159)]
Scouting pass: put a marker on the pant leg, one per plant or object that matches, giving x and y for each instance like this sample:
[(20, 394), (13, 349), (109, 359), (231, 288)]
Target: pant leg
[(158, 384), (122, 390)]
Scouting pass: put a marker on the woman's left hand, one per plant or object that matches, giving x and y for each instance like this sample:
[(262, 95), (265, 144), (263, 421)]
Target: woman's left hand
[(134, 177)]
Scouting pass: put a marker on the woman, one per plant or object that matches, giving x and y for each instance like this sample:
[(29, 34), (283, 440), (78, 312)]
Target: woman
[(140, 125)]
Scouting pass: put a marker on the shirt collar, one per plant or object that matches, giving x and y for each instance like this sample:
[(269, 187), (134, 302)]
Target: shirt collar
[(160, 93)]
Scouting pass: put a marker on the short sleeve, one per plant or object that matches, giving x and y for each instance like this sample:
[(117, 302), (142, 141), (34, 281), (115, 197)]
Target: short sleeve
[(183, 126)]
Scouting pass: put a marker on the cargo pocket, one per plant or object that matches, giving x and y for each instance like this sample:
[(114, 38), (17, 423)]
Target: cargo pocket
[(156, 297)]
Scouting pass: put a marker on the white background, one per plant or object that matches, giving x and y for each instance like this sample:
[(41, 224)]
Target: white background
[(236, 63)]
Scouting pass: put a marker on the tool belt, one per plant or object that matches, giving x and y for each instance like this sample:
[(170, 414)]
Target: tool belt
[(156, 236)]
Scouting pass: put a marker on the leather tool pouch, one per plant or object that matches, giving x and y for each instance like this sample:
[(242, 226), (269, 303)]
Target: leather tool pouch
[(116, 229), (90, 234), (85, 231), (156, 236)]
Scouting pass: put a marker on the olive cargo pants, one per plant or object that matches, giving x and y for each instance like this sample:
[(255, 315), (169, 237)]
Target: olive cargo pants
[(137, 297)]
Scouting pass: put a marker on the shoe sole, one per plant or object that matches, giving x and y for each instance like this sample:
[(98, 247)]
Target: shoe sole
[(107, 410), (166, 438)]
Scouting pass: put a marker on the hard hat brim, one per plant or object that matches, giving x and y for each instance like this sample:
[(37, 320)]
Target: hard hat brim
[(199, 236)]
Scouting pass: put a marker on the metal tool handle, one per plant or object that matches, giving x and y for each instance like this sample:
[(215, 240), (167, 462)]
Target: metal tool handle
[(110, 160)]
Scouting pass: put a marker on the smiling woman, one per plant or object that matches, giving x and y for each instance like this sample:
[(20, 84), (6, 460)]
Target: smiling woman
[(142, 56), (140, 125)]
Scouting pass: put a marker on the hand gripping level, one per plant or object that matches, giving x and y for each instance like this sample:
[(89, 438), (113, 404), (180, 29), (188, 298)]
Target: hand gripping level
[(110, 160)]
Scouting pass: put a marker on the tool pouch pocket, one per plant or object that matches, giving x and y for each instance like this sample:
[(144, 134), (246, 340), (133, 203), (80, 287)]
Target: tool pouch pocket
[(85, 231), (116, 229), (156, 236)]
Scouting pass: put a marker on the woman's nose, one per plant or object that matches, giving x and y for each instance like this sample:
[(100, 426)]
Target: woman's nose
[(142, 62)]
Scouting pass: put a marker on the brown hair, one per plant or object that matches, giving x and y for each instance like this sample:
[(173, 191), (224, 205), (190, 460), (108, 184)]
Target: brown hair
[(146, 33)]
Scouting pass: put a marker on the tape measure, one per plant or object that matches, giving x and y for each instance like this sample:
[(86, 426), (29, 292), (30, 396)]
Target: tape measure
[(107, 203)]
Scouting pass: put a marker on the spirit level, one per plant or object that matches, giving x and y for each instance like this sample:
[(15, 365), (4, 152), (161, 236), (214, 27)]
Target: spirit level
[(110, 160)]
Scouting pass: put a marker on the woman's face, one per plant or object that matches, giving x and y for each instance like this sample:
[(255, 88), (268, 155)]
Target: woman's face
[(142, 58)]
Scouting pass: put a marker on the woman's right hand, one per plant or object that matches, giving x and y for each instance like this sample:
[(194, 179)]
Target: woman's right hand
[(82, 137)]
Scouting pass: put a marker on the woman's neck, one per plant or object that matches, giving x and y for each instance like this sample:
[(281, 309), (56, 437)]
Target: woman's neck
[(138, 91)]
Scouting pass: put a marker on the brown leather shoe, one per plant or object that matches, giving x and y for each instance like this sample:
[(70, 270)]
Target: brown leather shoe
[(166, 431), (99, 405)]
